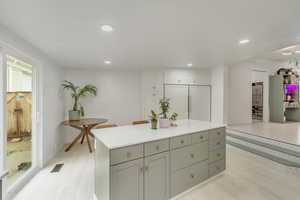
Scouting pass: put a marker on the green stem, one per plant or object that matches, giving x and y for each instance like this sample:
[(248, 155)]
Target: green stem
[(75, 107)]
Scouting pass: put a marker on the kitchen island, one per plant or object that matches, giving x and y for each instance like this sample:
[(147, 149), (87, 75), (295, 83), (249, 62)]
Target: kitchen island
[(138, 163)]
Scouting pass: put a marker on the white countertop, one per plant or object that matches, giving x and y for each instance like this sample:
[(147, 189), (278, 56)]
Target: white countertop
[(128, 135)]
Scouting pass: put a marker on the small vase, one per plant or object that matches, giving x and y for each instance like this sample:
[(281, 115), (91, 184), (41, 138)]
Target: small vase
[(164, 123), (74, 115), (154, 124)]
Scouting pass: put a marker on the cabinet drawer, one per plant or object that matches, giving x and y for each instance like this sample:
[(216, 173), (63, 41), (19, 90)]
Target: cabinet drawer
[(125, 154), (183, 157), (217, 167), (216, 143), (186, 178), (217, 134), (157, 147), (199, 137), (180, 141), (217, 154)]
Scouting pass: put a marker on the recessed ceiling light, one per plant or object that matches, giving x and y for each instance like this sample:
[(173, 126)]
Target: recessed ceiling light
[(107, 28), (107, 62), (190, 64), (245, 41), (287, 53)]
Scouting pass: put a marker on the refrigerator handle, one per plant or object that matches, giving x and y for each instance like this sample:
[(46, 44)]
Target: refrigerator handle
[(190, 105)]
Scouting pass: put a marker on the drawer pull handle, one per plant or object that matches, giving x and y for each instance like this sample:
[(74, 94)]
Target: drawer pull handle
[(192, 155), (218, 143), (192, 176), (218, 154), (157, 148), (146, 168), (201, 137), (182, 141), (129, 154), (141, 169), (219, 133)]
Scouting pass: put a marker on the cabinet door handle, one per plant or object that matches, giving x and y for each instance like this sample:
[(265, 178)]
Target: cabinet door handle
[(129, 154), (192, 176), (146, 168), (157, 148), (218, 143), (182, 141), (201, 137), (219, 133), (218, 154), (192, 155)]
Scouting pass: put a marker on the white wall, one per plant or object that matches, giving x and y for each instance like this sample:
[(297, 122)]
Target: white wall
[(125, 96), (219, 82), (240, 91), (118, 99), (53, 111), (151, 91)]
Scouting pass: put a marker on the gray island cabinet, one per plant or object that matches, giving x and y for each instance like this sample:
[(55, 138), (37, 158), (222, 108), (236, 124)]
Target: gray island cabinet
[(137, 163)]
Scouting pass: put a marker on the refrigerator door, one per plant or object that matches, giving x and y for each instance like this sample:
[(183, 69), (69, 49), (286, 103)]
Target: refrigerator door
[(200, 103), (178, 95)]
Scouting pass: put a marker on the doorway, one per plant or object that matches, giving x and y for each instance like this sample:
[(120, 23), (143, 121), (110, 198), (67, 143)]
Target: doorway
[(257, 101), (19, 118), (260, 96)]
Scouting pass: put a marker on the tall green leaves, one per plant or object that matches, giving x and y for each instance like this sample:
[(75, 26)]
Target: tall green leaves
[(77, 93)]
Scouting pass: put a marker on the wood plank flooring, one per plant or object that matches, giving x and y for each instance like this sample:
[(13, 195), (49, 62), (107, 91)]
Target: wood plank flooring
[(248, 177)]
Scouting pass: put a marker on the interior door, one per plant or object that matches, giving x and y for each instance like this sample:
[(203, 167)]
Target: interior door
[(178, 95), (200, 103)]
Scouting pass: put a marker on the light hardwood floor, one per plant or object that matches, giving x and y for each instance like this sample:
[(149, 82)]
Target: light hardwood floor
[(248, 177)]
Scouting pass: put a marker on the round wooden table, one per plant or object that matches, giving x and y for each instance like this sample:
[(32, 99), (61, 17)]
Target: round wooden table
[(85, 126)]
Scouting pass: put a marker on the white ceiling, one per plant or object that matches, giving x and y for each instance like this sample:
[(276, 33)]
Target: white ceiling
[(153, 33), (279, 56)]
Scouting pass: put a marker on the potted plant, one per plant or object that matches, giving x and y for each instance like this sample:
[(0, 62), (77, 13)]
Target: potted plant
[(164, 122), (173, 119), (77, 93), (153, 119)]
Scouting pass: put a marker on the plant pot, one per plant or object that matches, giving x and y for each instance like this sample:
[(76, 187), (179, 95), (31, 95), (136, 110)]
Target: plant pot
[(173, 123), (74, 115), (164, 123), (154, 124)]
